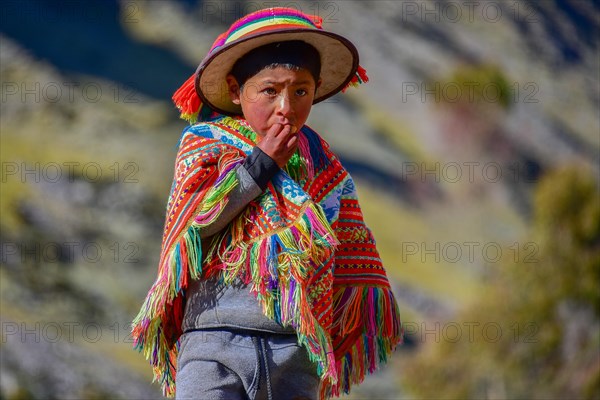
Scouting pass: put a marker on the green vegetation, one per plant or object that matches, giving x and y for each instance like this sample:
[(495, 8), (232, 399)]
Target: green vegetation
[(476, 84), (536, 329)]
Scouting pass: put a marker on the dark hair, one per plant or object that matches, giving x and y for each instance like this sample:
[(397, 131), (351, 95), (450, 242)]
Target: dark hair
[(293, 55)]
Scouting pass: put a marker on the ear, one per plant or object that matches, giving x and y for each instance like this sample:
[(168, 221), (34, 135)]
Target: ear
[(318, 84), (234, 89)]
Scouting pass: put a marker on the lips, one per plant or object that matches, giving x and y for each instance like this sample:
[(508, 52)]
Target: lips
[(294, 128)]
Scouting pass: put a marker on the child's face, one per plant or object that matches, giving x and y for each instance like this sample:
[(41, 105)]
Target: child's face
[(275, 96)]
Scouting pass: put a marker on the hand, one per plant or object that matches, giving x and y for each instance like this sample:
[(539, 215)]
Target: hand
[(280, 143)]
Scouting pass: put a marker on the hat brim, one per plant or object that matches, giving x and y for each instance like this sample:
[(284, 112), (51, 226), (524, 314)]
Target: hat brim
[(339, 62)]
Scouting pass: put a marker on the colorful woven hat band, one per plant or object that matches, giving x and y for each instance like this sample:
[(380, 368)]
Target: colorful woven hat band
[(261, 22)]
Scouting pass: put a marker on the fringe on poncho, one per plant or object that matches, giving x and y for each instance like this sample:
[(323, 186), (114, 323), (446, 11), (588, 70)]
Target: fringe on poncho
[(302, 246)]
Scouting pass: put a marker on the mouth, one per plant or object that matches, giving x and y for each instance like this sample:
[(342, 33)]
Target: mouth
[(293, 126)]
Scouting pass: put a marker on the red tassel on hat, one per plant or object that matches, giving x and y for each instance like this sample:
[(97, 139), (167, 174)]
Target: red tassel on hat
[(358, 78), (187, 101), (362, 74)]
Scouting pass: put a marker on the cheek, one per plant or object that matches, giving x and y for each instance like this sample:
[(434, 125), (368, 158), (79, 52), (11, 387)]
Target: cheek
[(261, 111), (303, 110), (258, 114)]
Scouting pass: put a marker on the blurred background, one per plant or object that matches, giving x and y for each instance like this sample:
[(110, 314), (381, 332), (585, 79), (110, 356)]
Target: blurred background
[(475, 147)]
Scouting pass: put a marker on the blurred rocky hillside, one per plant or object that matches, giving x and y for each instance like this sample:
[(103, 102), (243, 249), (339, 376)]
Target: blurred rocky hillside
[(469, 105)]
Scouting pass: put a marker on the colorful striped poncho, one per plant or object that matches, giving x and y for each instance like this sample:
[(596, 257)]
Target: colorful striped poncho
[(302, 245)]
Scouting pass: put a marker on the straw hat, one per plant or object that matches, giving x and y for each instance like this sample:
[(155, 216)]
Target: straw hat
[(208, 86)]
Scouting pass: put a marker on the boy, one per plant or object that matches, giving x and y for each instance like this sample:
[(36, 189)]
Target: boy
[(269, 284)]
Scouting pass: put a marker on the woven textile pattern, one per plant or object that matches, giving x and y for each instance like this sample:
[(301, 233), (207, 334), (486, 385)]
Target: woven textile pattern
[(302, 246)]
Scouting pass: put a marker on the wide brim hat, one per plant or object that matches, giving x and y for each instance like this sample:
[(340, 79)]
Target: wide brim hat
[(208, 88)]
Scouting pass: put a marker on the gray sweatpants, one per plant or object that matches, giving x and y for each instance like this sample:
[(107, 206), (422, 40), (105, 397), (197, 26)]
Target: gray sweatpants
[(244, 365)]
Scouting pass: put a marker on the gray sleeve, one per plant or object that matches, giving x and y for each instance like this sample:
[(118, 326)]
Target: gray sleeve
[(253, 176)]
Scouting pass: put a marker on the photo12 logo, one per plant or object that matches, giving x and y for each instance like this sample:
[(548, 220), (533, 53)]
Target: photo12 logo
[(470, 92), (69, 251), (54, 172), (466, 171), (66, 331), (471, 331), (471, 252), (72, 92), (468, 11)]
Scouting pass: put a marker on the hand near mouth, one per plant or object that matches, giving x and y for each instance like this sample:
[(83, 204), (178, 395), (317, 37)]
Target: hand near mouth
[(279, 143)]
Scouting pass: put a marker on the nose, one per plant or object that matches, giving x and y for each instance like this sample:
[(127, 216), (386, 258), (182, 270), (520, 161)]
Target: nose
[(284, 105)]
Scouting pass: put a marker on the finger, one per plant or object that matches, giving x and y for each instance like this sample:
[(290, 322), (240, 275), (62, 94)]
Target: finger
[(292, 143), (274, 130), (285, 131)]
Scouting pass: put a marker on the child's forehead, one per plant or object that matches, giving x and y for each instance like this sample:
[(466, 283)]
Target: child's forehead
[(280, 73)]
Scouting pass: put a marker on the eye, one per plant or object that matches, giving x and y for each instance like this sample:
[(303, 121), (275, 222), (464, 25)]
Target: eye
[(301, 92), (269, 91)]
